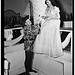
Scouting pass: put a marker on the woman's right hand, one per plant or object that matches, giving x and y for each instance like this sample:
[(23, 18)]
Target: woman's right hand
[(44, 17)]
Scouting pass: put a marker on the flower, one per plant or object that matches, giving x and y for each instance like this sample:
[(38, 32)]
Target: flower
[(28, 22)]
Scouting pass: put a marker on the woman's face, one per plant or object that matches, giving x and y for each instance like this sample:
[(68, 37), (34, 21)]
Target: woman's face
[(48, 2)]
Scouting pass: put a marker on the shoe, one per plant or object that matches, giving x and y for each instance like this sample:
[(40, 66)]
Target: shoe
[(33, 71), (24, 73), (27, 73)]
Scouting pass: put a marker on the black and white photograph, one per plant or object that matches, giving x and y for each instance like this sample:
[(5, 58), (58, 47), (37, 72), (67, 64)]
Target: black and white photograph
[(38, 37)]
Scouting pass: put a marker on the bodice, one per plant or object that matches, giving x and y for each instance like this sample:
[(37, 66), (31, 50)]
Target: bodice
[(52, 12)]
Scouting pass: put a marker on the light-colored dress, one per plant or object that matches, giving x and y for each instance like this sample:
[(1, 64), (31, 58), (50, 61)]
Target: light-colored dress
[(48, 41)]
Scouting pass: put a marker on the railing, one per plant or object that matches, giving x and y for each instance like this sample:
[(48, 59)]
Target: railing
[(67, 39), (67, 28), (6, 66), (9, 35)]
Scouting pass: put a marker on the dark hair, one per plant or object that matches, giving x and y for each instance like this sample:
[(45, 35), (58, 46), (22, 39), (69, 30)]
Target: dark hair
[(52, 2)]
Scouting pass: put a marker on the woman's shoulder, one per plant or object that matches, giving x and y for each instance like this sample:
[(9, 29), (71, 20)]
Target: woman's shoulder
[(56, 9)]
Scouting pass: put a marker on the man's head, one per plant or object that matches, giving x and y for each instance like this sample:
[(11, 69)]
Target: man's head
[(28, 22)]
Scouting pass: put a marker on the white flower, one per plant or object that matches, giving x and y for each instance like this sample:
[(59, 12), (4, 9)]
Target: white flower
[(28, 22)]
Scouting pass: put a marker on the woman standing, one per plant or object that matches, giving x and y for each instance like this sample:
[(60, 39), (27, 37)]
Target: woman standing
[(48, 41)]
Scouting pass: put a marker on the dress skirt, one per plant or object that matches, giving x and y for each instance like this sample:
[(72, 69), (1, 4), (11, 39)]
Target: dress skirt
[(48, 42)]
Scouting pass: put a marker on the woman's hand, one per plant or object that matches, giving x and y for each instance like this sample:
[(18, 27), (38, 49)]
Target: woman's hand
[(44, 17)]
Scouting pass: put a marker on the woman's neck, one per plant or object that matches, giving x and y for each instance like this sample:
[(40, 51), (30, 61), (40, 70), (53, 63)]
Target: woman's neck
[(51, 7)]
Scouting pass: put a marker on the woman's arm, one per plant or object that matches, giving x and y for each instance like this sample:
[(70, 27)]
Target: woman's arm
[(54, 16), (45, 17), (55, 13)]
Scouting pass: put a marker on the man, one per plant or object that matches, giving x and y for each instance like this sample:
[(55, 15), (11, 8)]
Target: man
[(29, 39)]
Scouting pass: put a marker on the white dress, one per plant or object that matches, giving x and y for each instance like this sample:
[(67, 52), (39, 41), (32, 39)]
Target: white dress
[(48, 41)]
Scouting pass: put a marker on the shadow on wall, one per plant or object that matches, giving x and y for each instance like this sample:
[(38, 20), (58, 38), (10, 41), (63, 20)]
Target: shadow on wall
[(19, 6)]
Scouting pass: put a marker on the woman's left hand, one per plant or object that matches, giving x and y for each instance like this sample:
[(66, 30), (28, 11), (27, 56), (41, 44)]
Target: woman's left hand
[(44, 17)]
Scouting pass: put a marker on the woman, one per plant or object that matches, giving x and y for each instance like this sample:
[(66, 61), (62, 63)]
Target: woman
[(48, 41)]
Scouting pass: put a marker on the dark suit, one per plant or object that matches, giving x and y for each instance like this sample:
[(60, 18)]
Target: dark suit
[(29, 38)]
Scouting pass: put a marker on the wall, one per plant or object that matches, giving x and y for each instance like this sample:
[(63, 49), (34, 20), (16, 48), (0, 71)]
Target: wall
[(19, 6), (67, 5)]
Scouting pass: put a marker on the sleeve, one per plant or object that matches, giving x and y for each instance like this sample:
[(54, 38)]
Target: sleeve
[(56, 12), (57, 9)]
